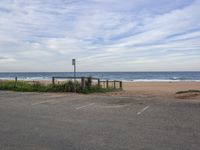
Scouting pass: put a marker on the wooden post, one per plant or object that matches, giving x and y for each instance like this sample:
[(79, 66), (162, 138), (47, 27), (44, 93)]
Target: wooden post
[(106, 83), (120, 83), (89, 81), (99, 82), (15, 82), (83, 82), (53, 80), (114, 84)]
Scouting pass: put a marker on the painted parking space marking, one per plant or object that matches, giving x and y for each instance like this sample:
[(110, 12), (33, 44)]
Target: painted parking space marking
[(115, 106), (142, 110), (43, 102), (85, 106)]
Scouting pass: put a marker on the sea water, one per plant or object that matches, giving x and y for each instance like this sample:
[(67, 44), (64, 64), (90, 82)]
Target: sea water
[(124, 76)]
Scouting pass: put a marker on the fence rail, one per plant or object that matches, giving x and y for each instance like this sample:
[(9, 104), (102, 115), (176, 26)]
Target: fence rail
[(106, 83)]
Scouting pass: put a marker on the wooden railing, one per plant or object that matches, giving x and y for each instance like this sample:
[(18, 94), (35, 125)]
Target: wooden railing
[(114, 84), (89, 80)]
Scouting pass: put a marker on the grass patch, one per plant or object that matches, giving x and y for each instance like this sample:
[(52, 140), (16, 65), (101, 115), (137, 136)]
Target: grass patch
[(188, 91), (68, 86)]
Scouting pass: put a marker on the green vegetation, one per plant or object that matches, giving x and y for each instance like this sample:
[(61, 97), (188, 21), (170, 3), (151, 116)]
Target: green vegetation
[(25, 86), (188, 91)]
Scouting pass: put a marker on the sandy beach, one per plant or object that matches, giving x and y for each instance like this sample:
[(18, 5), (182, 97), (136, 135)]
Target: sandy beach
[(152, 87), (160, 89)]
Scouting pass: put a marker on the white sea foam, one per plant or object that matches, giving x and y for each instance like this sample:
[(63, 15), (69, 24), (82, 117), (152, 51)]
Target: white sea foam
[(159, 80), (124, 76)]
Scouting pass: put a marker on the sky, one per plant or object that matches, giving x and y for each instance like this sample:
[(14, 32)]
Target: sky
[(103, 35)]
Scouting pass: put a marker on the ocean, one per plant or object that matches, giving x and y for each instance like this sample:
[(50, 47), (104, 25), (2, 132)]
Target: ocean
[(124, 76)]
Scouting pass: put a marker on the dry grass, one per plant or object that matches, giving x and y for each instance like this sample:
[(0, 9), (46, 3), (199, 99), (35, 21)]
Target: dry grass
[(187, 94)]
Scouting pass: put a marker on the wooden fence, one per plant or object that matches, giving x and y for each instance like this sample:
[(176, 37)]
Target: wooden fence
[(115, 84), (90, 80)]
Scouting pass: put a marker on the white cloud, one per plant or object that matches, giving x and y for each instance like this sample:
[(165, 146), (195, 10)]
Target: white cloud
[(102, 35)]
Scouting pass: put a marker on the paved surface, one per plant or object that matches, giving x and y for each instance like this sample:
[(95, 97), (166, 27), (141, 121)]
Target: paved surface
[(38, 121)]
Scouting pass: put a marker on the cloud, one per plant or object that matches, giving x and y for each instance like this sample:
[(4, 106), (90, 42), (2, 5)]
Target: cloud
[(119, 35), (3, 58)]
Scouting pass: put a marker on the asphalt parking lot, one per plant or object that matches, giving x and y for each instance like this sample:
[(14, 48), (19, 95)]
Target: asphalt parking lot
[(48, 121)]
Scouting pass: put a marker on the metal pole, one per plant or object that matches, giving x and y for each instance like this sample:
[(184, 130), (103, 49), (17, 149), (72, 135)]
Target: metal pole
[(74, 64), (75, 78)]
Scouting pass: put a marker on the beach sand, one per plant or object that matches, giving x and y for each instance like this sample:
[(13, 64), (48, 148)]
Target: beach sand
[(160, 87), (163, 90)]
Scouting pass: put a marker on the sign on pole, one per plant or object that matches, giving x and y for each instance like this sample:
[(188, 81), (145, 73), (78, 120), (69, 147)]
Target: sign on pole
[(73, 62)]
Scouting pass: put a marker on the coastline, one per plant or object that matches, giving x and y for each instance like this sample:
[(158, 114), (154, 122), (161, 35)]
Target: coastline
[(165, 86), (157, 90), (168, 76), (123, 80)]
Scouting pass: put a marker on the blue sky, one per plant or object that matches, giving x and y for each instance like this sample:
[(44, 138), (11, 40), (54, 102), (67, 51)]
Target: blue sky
[(103, 35)]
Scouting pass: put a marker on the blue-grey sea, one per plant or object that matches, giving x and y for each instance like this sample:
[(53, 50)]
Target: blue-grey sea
[(124, 76)]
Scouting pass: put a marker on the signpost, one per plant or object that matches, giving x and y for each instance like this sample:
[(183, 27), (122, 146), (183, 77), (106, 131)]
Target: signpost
[(74, 64)]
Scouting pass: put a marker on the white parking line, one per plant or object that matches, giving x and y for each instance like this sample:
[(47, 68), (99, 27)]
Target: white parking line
[(43, 102), (85, 106), (115, 106), (145, 108)]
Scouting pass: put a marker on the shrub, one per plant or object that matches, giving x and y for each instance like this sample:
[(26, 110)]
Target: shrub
[(69, 86)]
